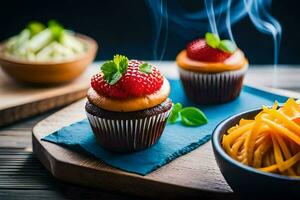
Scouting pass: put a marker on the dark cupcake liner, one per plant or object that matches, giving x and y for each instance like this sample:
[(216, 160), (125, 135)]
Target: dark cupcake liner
[(212, 88), (130, 134)]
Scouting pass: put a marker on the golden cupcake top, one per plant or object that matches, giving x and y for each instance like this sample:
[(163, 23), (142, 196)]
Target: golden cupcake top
[(125, 85), (211, 55), (130, 104)]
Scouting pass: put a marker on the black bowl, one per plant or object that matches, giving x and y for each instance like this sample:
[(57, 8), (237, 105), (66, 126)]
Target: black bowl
[(246, 181)]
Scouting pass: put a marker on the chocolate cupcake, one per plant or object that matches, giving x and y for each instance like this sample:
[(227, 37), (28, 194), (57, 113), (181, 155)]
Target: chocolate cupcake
[(128, 105), (212, 70)]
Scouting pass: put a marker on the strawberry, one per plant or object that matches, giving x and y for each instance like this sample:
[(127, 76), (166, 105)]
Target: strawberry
[(102, 87), (201, 51), (139, 83), (135, 79)]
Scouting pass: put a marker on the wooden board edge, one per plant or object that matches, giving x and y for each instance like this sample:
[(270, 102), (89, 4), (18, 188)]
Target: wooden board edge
[(110, 181), (17, 113)]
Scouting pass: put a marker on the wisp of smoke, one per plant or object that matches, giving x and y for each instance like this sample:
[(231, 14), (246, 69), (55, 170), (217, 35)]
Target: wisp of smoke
[(218, 16), (192, 22), (264, 22), (160, 22)]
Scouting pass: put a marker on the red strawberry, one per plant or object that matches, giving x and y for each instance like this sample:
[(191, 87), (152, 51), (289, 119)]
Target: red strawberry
[(133, 82), (138, 83), (102, 87), (201, 51)]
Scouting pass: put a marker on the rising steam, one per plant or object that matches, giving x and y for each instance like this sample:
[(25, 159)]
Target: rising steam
[(209, 7), (218, 16), (264, 22), (160, 22)]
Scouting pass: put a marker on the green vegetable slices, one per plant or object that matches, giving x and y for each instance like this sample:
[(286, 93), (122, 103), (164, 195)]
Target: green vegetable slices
[(40, 43)]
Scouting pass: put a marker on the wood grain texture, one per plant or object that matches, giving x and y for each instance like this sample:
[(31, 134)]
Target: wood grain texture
[(23, 177), (21, 101)]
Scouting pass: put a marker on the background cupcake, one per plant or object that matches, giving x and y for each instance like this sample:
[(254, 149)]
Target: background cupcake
[(128, 105), (212, 70)]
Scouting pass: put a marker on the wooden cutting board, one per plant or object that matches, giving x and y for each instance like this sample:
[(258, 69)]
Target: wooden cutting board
[(20, 101), (194, 174)]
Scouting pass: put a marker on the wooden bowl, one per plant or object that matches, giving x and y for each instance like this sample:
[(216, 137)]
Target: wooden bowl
[(48, 72)]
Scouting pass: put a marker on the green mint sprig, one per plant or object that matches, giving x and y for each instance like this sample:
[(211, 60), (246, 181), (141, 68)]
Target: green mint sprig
[(214, 41), (188, 116), (174, 115), (114, 69)]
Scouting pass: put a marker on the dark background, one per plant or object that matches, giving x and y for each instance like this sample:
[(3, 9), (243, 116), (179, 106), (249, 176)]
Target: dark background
[(125, 27)]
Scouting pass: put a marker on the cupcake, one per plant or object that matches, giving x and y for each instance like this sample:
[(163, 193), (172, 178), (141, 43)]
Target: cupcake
[(212, 70), (128, 105)]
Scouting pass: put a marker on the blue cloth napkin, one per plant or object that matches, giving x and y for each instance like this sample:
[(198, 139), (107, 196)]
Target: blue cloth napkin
[(176, 140)]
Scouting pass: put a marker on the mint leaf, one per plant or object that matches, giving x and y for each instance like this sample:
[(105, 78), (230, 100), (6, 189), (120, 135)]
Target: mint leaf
[(121, 62), (146, 68), (109, 69), (227, 46), (115, 78), (191, 116), (174, 115), (212, 40), (114, 69)]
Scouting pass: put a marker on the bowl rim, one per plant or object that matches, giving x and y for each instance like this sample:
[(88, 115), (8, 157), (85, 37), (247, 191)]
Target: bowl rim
[(216, 142), (91, 49)]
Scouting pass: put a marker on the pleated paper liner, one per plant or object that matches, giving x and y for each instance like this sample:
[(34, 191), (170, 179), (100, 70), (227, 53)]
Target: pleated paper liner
[(128, 135), (212, 88)]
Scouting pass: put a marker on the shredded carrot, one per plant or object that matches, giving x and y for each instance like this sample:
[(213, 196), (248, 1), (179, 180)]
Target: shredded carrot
[(270, 142)]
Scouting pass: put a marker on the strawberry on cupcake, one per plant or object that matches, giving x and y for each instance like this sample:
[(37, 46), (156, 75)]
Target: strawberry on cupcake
[(212, 70), (128, 104)]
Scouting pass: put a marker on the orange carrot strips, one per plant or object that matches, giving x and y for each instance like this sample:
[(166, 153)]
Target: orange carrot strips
[(270, 142)]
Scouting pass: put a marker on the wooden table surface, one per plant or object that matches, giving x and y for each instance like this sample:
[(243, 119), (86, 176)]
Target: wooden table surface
[(23, 177)]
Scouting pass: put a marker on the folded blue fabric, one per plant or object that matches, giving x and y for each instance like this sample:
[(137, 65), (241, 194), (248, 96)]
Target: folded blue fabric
[(176, 140)]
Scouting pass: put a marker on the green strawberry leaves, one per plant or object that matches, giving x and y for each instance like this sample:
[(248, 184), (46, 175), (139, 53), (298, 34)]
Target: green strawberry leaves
[(146, 68), (188, 116), (227, 46), (114, 69), (115, 78), (121, 62), (109, 68), (214, 41)]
